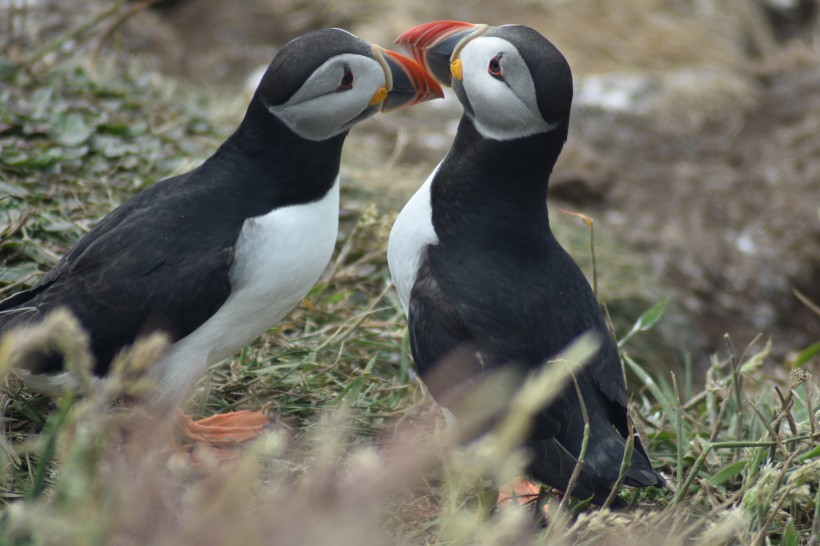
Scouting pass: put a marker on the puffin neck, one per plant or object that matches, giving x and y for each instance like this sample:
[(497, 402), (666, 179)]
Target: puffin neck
[(489, 188), (520, 167), (269, 158)]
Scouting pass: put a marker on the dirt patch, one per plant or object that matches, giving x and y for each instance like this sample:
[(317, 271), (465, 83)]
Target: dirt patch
[(728, 217)]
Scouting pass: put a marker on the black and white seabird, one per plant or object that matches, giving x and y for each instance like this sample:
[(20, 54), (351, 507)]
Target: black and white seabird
[(482, 279), (216, 256)]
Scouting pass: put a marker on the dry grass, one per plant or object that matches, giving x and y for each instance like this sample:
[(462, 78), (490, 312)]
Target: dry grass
[(370, 464)]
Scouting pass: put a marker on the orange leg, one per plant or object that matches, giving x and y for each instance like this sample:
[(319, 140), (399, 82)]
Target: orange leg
[(217, 438), (520, 492), (224, 429), (517, 492)]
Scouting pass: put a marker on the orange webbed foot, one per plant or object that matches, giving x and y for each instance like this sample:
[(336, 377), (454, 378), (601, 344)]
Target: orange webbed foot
[(522, 492), (223, 429), (517, 492)]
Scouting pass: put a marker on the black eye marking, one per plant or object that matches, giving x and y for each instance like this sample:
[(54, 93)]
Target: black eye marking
[(495, 67), (347, 80)]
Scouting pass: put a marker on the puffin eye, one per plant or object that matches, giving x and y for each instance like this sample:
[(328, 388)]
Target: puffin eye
[(347, 80), (495, 67)]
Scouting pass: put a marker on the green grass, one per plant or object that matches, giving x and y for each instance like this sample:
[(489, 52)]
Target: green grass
[(359, 453)]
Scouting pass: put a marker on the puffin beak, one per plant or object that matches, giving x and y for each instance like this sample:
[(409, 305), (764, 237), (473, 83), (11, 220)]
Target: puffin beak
[(436, 46), (406, 83)]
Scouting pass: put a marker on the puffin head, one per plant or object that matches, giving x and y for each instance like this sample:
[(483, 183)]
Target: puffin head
[(511, 81), (324, 82)]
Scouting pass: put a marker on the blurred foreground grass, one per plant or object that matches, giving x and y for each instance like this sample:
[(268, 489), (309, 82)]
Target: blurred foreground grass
[(372, 464), (359, 454)]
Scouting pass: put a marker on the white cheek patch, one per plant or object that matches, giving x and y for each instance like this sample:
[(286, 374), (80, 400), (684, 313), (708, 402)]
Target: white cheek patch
[(503, 110), (317, 111)]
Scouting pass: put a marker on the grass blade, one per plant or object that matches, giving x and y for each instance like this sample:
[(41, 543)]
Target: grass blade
[(646, 321), (727, 473), (52, 429)]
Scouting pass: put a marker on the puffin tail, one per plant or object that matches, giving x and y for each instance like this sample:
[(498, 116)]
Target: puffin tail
[(16, 310), (553, 465)]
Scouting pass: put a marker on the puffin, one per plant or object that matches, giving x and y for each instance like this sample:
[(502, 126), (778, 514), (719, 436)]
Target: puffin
[(485, 285), (214, 257)]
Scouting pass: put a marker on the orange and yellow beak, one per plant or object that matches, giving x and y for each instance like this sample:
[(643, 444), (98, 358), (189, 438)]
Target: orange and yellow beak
[(406, 83), (436, 46)]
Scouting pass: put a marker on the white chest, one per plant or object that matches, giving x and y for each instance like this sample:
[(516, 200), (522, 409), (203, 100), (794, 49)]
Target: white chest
[(277, 259), (411, 233)]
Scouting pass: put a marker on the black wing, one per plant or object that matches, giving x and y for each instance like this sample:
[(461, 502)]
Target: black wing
[(443, 348), (526, 317), (160, 261)]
